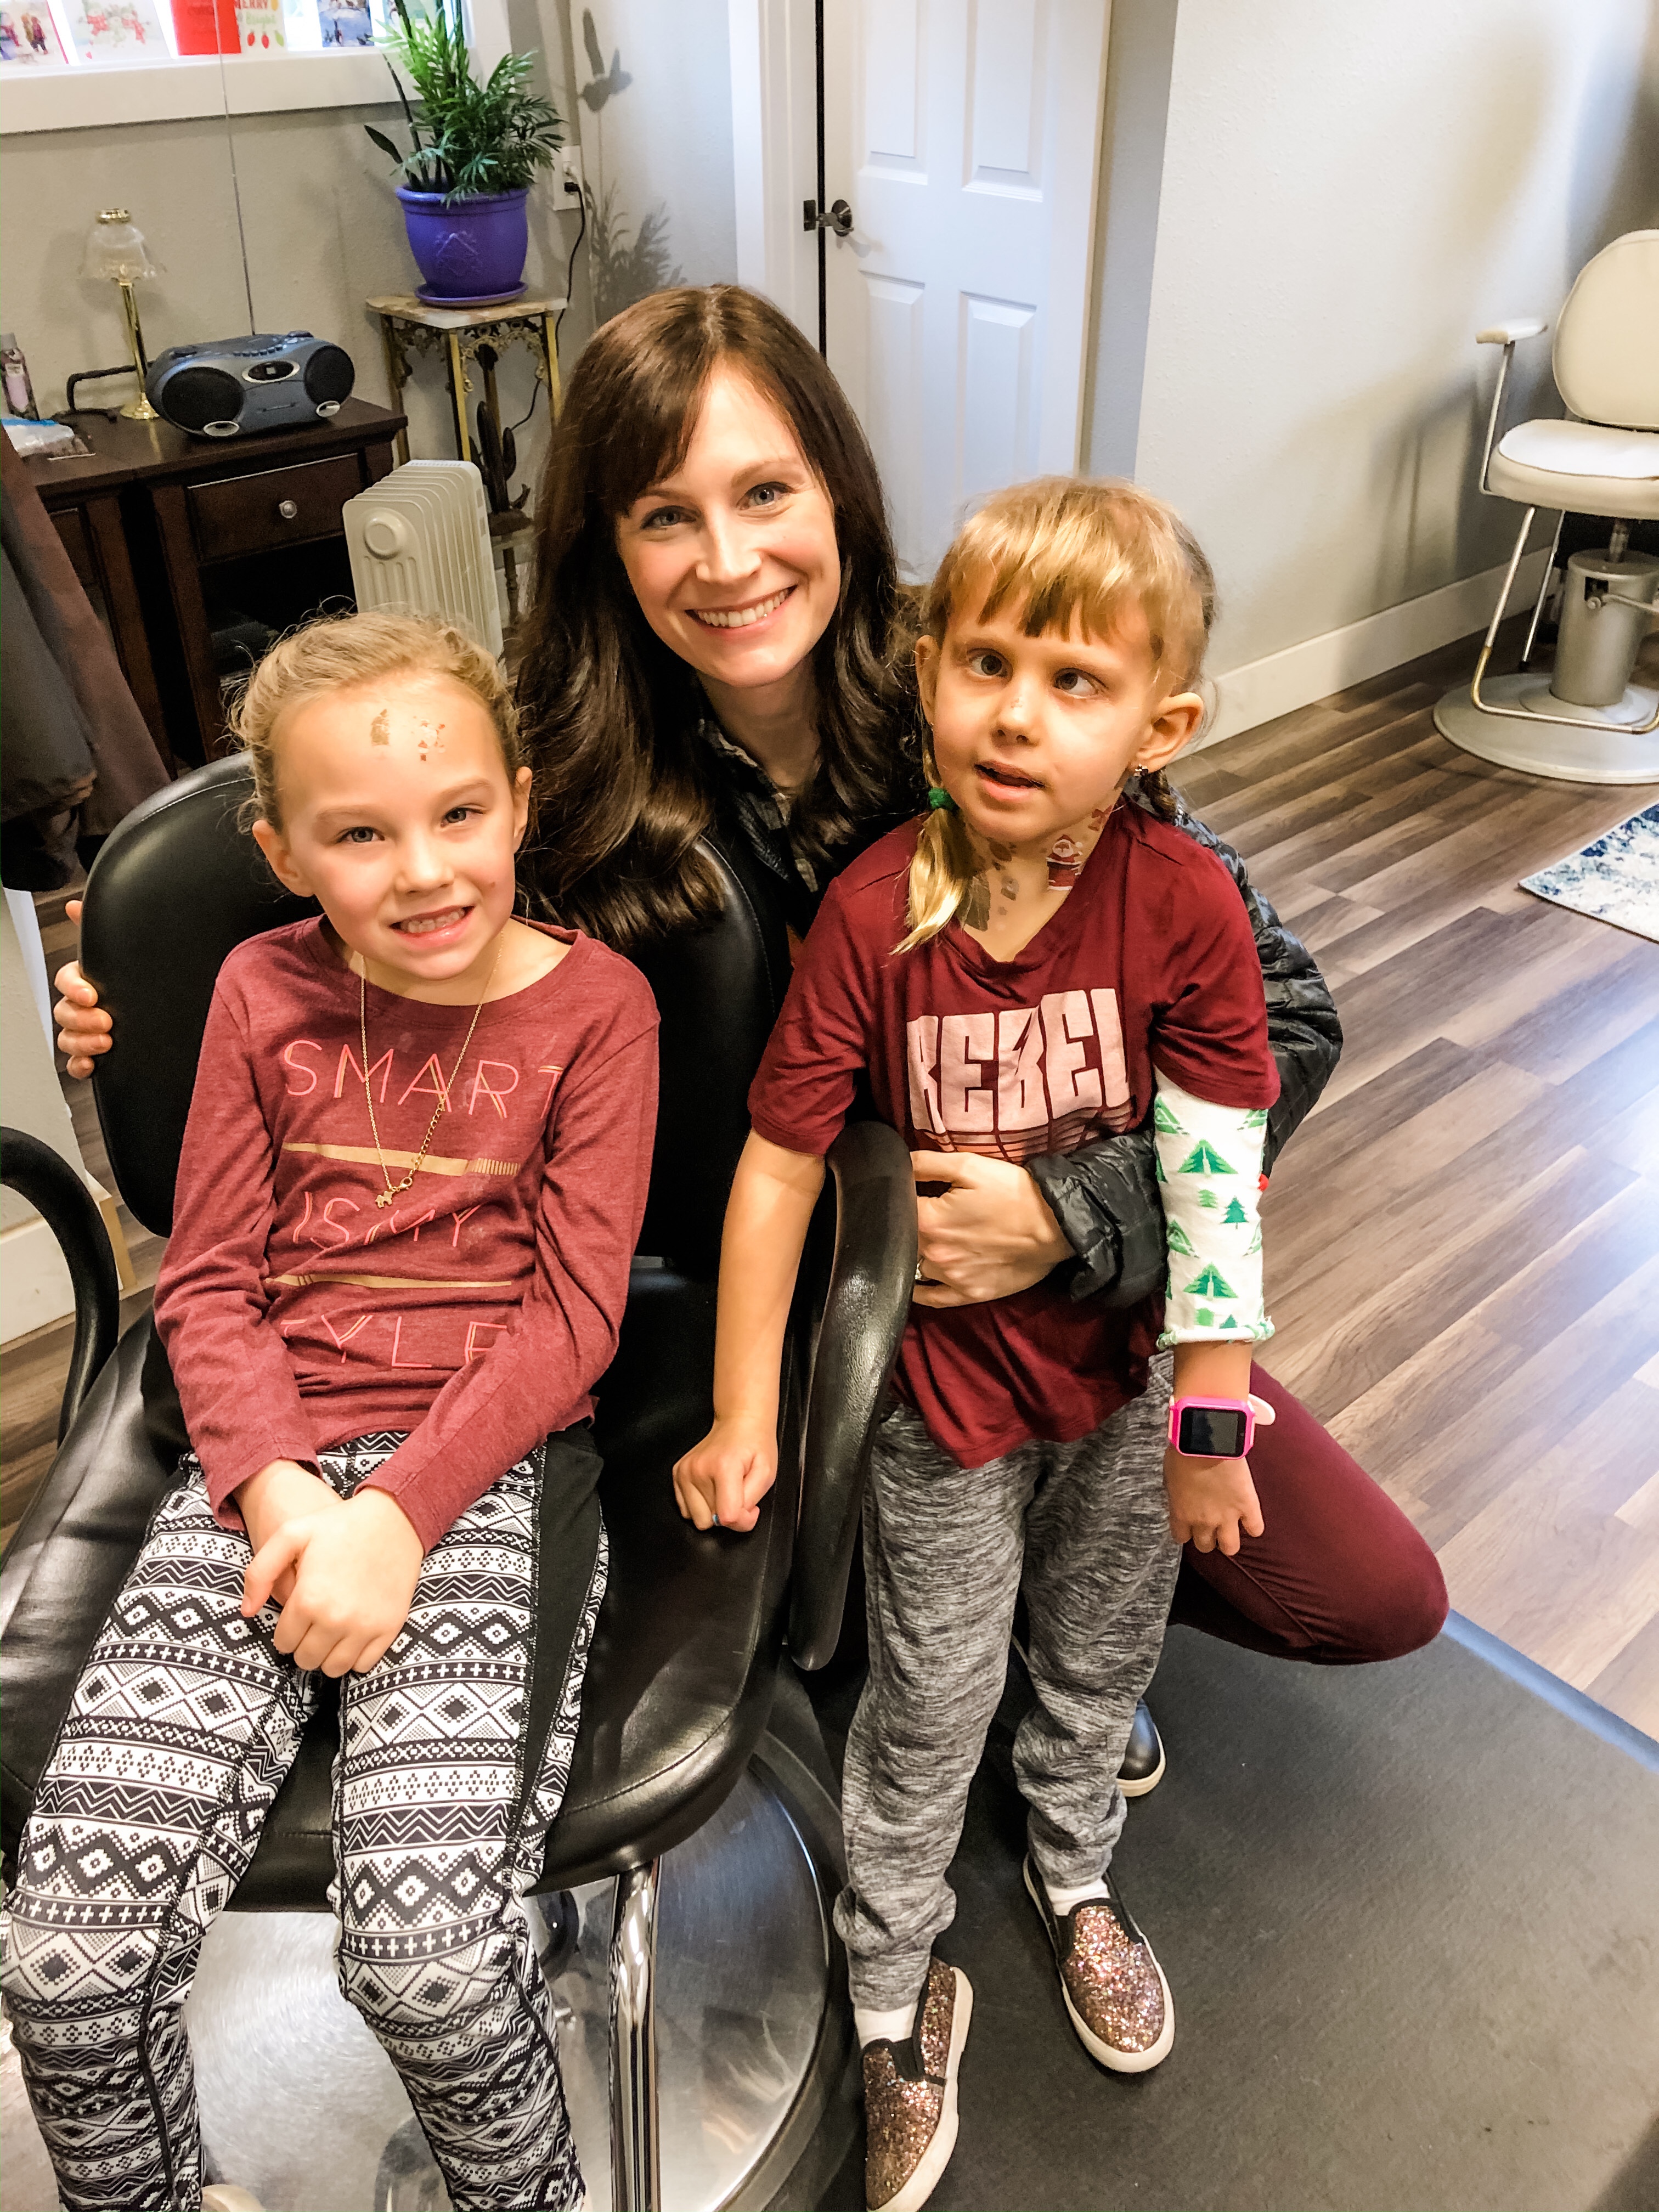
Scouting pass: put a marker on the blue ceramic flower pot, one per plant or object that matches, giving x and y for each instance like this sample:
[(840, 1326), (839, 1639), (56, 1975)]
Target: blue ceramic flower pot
[(468, 250)]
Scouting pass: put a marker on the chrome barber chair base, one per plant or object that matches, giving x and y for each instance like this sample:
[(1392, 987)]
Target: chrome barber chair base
[(299, 2105), (1542, 735)]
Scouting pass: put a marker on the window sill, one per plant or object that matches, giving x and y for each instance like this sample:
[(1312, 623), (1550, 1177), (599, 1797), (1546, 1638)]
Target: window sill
[(82, 99)]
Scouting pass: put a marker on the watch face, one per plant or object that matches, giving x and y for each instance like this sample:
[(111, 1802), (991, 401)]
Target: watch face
[(1210, 1432)]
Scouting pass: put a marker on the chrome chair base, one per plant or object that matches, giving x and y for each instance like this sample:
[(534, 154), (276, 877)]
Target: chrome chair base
[(1522, 725), (753, 2034)]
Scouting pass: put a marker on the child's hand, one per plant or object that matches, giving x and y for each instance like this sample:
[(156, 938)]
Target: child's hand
[(282, 1491), (1211, 1502), (353, 1573), (721, 1481)]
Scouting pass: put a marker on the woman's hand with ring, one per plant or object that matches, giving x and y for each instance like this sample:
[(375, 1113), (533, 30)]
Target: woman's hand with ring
[(990, 1235)]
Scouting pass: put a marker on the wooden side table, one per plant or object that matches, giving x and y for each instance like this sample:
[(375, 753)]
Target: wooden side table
[(408, 326)]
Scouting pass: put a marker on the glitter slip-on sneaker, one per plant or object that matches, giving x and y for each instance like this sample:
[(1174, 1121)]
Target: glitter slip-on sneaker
[(910, 2097), (1143, 1758), (1114, 1988)]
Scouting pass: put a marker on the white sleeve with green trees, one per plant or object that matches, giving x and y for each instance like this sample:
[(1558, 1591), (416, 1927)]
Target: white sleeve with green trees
[(1209, 1176)]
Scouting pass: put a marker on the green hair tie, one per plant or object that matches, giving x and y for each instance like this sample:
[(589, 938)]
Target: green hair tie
[(937, 796)]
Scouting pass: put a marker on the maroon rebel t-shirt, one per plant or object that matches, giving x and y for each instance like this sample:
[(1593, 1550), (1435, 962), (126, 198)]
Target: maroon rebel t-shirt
[(1150, 959), (477, 1310)]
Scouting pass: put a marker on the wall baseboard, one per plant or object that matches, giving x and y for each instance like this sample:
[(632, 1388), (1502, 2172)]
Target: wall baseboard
[(35, 1282), (1280, 683), (34, 1278)]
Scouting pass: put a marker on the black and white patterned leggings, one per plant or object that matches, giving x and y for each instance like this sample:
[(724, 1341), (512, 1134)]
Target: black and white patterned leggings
[(184, 1723)]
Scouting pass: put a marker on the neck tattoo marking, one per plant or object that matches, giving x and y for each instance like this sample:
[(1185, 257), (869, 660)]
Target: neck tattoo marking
[(1064, 863)]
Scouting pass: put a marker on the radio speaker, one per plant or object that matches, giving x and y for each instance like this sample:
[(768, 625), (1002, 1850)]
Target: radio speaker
[(330, 375), (241, 388), (197, 397)]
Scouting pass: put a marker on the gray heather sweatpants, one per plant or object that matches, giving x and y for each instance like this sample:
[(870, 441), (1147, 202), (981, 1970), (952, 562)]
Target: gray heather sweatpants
[(1084, 1528)]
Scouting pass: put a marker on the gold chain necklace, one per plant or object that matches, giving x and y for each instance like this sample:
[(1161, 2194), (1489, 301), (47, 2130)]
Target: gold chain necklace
[(397, 1189)]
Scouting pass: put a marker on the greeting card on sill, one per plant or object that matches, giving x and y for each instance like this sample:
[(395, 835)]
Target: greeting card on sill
[(259, 22), (205, 27), (28, 37), (116, 31)]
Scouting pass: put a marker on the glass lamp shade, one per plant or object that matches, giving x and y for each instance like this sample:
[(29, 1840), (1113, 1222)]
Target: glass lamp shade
[(116, 249)]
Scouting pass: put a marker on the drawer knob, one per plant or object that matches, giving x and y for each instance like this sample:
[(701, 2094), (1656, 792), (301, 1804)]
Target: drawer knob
[(287, 509)]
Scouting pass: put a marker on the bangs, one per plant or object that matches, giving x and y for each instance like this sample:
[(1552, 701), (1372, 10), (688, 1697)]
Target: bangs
[(656, 396), (656, 360), (1077, 556)]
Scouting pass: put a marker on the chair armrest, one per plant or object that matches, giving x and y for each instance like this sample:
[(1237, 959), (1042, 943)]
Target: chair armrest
[(65, 1205), (864, 1309), (1509, 336)]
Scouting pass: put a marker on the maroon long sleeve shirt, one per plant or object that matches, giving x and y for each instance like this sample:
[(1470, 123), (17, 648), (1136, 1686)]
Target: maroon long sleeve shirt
[(477, 1311)]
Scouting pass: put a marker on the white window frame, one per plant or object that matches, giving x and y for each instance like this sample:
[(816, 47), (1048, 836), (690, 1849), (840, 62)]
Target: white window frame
[(89, 96)]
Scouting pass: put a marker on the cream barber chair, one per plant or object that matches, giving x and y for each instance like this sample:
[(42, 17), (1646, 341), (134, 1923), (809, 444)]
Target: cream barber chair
[(1586, 722)]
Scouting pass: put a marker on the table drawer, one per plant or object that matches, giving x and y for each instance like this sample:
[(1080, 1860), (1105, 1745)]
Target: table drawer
[(279, 507)]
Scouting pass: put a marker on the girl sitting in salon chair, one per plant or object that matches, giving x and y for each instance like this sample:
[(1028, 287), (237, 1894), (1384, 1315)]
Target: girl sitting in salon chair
[(384, 1442)]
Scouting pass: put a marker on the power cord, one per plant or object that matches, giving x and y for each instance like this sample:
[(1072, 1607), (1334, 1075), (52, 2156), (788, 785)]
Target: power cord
[(570, 276)]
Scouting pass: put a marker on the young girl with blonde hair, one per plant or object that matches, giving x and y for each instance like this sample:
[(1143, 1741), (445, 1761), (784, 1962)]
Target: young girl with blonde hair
[(1037, 962), (391, 1478)]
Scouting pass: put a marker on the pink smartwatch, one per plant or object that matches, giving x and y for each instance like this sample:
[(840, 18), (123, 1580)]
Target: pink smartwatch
[(1212, 1428)]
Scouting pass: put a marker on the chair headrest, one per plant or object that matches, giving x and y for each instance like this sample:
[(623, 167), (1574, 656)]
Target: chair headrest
[(1606, 337), (180, 884)]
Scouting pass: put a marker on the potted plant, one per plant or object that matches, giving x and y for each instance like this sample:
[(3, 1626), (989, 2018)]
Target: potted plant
[(474, 154)]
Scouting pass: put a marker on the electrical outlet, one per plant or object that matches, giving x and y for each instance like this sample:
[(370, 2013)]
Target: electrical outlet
[(569, 174)]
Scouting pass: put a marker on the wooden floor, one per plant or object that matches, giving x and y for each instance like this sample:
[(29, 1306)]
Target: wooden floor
[(1463, 1242)]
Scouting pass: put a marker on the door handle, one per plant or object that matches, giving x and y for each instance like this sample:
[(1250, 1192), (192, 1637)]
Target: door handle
[(838, 218)]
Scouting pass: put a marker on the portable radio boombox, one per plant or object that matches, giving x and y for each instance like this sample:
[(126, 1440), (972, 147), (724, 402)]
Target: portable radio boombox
[(238, 387)]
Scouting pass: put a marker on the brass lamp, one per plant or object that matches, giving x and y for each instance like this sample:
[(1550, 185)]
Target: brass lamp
[(116, 250)]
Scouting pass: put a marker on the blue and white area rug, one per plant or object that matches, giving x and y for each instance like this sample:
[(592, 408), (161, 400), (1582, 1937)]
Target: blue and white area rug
[(1616, 879)]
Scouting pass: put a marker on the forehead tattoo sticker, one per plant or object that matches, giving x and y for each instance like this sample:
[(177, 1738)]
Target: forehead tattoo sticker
[(379, 730)]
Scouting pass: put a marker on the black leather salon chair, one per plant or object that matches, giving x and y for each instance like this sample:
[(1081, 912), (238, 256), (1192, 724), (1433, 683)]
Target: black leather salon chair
[(695, 1627)]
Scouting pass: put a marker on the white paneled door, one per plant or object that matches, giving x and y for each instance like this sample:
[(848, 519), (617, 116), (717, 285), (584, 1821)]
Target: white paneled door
[(964, 134)]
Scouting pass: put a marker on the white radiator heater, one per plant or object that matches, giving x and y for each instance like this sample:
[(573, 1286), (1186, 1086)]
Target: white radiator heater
[(420, 544)]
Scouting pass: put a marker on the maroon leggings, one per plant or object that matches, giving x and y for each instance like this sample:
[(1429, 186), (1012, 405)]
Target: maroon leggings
[(1338, 1575)]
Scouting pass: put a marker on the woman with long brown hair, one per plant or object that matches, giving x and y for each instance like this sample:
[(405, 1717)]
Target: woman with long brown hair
[(721, 645), (655, 721)]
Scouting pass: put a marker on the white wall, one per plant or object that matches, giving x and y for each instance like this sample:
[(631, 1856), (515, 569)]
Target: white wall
[(658, 150), (323, 231), (1347, 193), (1140, 59), (34, 1282)]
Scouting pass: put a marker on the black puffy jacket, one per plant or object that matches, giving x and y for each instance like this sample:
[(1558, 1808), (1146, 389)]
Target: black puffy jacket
[(1104, 1195)]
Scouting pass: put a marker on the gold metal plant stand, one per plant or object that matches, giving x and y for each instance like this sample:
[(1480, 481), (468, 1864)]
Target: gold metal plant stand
[(408, 326)]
